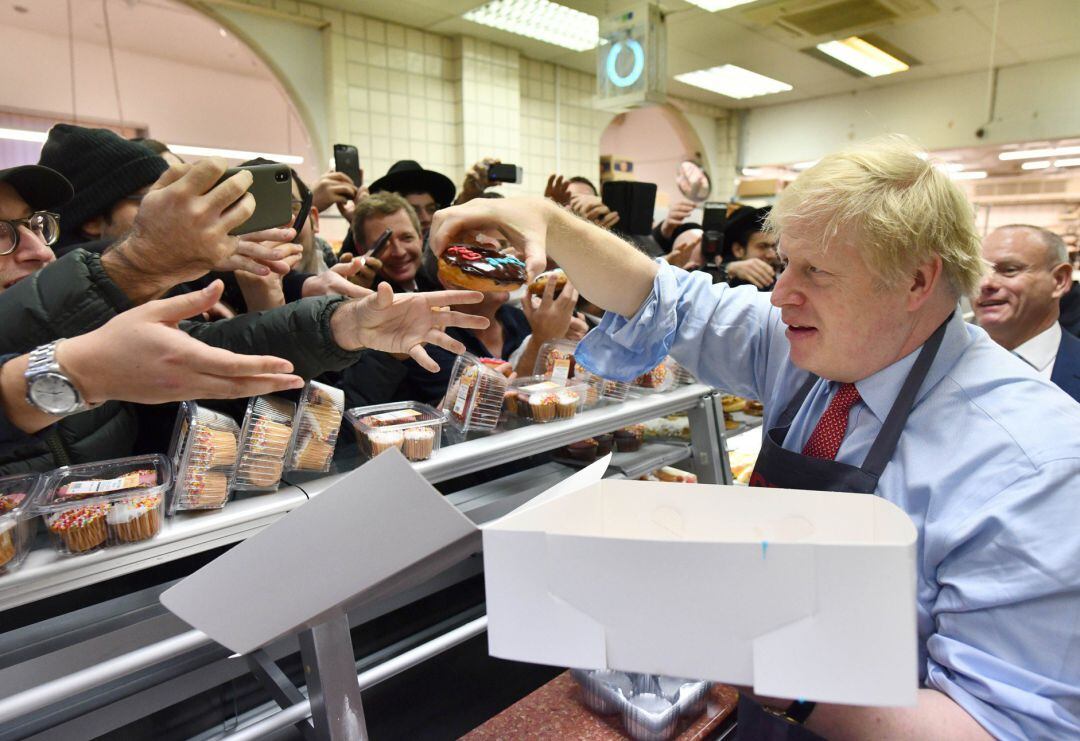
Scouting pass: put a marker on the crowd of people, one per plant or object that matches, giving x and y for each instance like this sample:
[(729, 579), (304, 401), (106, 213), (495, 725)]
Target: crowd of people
[(124, 292)]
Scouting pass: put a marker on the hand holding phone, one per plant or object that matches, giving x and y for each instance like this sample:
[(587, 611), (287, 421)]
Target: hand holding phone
[(500, 173), (347, 160), (271, 186), (380, 244)]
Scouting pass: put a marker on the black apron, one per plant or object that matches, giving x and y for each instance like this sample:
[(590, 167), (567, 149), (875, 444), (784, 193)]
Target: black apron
[(786, 469)]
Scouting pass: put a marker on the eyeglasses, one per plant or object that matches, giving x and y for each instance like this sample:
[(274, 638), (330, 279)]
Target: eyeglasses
[(45, 224)]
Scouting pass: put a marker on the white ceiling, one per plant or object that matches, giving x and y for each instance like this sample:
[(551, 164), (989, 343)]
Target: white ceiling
[(953, 40)]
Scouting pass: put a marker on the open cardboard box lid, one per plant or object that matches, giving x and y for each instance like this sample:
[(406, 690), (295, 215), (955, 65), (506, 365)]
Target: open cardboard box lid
[(377, 531), (798, 594)]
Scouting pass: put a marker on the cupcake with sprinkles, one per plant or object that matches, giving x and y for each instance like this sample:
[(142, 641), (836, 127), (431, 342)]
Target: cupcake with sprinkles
[(135, 519), (79, 529)]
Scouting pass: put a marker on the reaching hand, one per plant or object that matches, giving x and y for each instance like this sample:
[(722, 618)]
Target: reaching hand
[(336, 280), (476, 180), (754, 270), (676, 215), (263, 253), (347, 208), (578, 328), (263, 292), (593, 209), (141, 356), (558, 189), (333, 187), (404, 322), (367, 271), (686, 253), (523, 221), (550, 317)]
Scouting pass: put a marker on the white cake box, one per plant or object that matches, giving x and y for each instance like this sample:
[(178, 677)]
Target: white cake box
[(807, 595), (798, 594)]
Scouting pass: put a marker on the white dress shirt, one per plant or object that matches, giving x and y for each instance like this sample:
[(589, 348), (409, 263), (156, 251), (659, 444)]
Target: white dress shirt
[(1040, 351)]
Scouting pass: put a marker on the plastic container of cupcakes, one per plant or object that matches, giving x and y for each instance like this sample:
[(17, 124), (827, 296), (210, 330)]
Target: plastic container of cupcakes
[(264, 441), (474, 397), (555, 360), (683, 377), (17, 494), (94, 505), (660, 378), (540, 399), (204, 449), (315, 428), (413, 428)]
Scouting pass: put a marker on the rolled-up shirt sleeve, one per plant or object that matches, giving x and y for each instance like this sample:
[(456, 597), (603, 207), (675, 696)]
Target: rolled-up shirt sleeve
[(1007, 642), (725, 336)]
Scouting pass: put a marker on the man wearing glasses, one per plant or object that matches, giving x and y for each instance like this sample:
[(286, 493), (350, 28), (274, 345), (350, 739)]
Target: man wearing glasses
[(1018, 301), (41, 190)]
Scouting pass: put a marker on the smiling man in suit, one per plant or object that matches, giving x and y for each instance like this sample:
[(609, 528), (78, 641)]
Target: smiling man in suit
[(1018, 301)]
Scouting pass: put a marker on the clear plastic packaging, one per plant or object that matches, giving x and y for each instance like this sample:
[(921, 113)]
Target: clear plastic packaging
[(264, 440), (474, 397), (204, 450), (17, 494), (315, 428), (93, 505), (660, 378), (413, 428), (540, 399), (555, 360), (683, 377)]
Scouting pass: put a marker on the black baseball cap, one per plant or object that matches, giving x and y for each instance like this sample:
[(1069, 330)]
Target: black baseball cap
[(41, 187)]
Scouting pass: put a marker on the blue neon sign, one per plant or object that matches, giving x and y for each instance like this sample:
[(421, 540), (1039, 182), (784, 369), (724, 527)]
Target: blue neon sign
[(619, 80)]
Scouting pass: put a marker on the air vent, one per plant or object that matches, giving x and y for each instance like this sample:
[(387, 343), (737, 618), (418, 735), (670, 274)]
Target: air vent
[(1028, 190), (816, 18)]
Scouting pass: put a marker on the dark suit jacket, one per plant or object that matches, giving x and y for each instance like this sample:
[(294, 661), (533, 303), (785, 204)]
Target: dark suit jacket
[(1070, 310), (1067, 366)]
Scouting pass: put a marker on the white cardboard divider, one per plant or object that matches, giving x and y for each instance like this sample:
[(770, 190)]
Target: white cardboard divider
[(798, 594), (378, 530)]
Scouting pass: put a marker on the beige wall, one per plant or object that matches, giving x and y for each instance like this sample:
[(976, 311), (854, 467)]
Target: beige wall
[(398, 92)]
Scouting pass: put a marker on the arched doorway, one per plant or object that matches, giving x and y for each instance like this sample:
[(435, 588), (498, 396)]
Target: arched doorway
[(156, 68)]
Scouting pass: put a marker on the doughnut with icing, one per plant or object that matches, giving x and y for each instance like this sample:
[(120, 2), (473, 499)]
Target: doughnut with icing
[(479, 268), (539, 283)]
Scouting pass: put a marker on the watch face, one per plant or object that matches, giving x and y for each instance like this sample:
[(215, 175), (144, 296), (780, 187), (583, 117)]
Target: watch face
[(52, 393)]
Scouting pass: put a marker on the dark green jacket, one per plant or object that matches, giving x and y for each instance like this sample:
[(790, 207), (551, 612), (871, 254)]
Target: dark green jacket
[(74, 295)]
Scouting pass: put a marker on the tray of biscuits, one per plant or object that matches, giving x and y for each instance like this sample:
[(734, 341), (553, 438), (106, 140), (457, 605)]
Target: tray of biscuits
[(315, 428), (205, 443), (474, 397), (264, 440)]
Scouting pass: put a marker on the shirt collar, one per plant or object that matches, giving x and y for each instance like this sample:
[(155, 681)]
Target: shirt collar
[(1041, 349), (880, 390)]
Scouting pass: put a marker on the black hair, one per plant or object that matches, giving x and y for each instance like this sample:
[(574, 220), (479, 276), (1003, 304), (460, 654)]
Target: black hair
[(584, 180), (740, 227)]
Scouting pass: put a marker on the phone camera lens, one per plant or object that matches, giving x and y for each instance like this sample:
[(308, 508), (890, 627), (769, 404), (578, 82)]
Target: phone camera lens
[(281, 177)]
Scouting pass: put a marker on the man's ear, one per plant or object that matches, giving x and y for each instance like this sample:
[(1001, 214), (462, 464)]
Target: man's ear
[(313, 217), (94, 227), (739, 250), (923, 282), (1062, 275)]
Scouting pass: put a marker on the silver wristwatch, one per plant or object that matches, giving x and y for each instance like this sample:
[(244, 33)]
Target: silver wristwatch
[(47, 388)]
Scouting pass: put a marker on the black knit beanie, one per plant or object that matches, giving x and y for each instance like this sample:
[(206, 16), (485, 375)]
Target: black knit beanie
[(102, 166)]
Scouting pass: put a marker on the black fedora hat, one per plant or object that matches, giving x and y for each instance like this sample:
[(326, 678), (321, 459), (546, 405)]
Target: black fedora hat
[(41, 187), (407, 176)]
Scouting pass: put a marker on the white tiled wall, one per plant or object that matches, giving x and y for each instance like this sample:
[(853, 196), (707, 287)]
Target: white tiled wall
[(401, 93)]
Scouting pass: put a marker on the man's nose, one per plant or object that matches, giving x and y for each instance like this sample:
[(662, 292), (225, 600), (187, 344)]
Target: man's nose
[(785, 292), (32, 248)]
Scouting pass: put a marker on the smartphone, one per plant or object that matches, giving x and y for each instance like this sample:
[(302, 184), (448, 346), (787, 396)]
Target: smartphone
[(713, 221), (271, 185), (504, 173), (347, 160), (380, 244)]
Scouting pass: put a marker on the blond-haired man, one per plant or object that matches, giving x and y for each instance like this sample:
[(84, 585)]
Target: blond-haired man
[(873, 383)]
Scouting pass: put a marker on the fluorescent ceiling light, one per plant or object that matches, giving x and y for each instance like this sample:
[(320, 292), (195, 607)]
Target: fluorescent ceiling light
[(800, 166), (234, 154), (734, 82), (1031, 154), (22, 135), (541, 20), (969, 175), (714, 5), (949, 167), (863, 56), (1071, 162), (1036, 165)]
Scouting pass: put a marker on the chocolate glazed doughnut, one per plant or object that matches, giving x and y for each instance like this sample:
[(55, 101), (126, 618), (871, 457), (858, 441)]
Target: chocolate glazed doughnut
[(479, 268)]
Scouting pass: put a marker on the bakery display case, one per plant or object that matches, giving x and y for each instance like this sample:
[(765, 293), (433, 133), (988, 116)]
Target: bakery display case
[(125, 657)]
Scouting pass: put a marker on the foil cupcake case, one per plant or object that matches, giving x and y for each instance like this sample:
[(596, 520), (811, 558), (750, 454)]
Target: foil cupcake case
[(204, 454), (316, 425), (94, 505), (264, 440), (17, 494), (413, 428)]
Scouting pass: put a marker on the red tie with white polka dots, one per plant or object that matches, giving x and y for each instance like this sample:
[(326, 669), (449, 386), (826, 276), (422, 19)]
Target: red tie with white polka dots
[(825, 440)]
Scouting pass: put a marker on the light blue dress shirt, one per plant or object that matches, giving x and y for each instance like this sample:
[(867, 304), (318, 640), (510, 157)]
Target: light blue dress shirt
[(988, 468)]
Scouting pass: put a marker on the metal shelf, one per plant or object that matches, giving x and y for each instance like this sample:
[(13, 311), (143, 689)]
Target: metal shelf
[(46, 573)]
